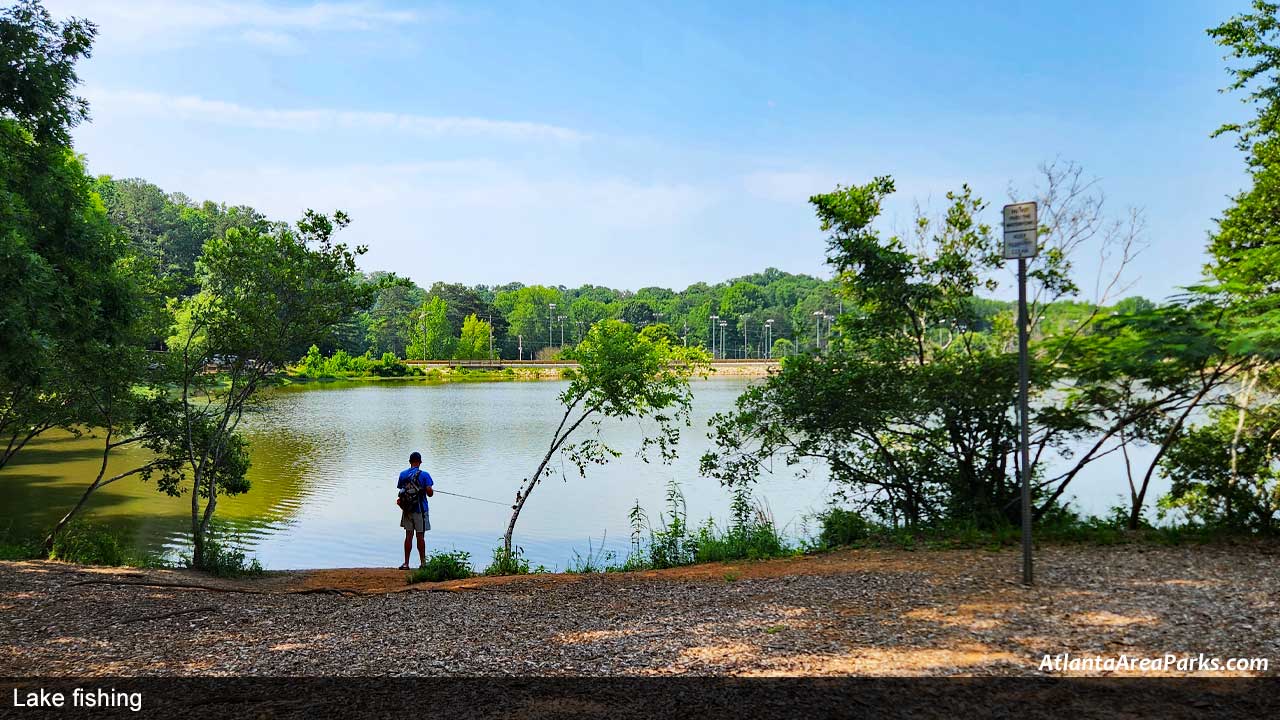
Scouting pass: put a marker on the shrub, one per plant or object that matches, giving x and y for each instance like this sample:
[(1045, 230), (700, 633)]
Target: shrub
[(225, 560), (442, 566), (15, 547), (752, 542), (510, 563), (843, 527), (88, 545)]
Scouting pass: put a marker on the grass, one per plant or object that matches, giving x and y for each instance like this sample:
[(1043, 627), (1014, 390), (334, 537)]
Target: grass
[(673, 543), (441, 566), (595, 561), (511, 563), (17, 547)]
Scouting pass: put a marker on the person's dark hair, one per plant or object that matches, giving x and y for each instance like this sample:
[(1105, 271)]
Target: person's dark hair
[(415, 456)]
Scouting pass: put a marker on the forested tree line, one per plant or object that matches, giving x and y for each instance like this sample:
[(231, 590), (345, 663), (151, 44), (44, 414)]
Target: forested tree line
[(453, 320)]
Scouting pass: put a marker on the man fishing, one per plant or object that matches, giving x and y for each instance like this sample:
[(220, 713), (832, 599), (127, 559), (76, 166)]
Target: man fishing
[(415, 487)]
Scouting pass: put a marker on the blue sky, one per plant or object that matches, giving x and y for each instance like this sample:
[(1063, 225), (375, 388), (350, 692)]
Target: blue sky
[(656, 143)]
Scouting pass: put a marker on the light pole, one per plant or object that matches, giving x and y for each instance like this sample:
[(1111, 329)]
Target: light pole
[(561, 319), (829, 318), (550, 311), (520, 346), (817, 329), (723, 324), (712, 338), (745, 351), (768, 338)]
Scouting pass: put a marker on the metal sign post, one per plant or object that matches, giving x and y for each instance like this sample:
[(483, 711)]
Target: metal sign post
[(1021, 241)]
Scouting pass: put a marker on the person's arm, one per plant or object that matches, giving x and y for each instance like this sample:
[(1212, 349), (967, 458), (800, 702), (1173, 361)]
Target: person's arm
[(427, 485)]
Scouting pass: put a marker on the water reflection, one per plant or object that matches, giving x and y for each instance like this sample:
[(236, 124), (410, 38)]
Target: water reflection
[(325, 458)]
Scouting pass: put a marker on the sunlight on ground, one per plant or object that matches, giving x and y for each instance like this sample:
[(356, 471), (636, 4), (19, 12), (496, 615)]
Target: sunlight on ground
[(898, 661)]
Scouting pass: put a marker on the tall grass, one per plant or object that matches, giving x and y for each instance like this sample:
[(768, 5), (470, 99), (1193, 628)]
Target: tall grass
[(511, 563), (674, 542)]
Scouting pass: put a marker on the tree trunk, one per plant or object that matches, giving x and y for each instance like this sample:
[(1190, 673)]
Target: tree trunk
[(1135, 513), (531, 482)]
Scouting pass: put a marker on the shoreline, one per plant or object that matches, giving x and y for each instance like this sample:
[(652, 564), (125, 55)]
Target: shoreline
[(862, 612), (441, 373)]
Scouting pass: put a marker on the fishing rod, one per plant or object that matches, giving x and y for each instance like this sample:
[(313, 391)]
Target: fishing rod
[(492, 502)]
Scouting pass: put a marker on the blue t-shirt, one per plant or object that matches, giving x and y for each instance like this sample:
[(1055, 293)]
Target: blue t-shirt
[(424, 480)]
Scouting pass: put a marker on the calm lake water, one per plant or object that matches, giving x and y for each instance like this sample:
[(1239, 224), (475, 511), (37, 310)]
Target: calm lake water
[(325, 459)]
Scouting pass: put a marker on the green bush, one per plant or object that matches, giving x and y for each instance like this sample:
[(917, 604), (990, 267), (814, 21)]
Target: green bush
[(88, 545), (442, 566), (344, 364), (843, 527), (750, 542), (16, 547), (224, 560)]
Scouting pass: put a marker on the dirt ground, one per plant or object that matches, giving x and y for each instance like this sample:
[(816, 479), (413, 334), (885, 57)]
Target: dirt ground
[(853, 612)]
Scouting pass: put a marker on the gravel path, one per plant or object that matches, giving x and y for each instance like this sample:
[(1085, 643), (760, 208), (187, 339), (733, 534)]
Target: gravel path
[(848, 613)]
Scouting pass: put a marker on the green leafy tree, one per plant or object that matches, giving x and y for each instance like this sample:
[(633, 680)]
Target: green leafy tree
[(621, 374), (1240, 490), (528, 313), (430, 335), (389, 319), (473, 344), (64, 290), (910, 405), (1223, 471), (263, 297), (782, 347)]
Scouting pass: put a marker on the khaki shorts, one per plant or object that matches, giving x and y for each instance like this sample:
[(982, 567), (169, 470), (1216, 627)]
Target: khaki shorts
[(418, 522)]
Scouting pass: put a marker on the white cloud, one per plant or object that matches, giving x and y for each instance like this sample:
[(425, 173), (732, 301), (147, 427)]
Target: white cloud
[(109, 104), (481, 220), (148, 23), (271, 40)]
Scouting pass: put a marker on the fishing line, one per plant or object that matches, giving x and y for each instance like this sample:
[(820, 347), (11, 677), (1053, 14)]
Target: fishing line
[(492, 502)]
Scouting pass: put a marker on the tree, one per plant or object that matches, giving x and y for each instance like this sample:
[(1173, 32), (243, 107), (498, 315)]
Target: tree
[(263, 298), (528, 314), (389, 318), (1240, 492), (910, 406), (39, 72), (473, 344), (782, 347), (63, 289), (621, 374), (430, 336), (1223, 471)]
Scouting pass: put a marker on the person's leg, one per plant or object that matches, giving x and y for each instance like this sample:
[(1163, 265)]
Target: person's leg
[(408, 543), (422, 549)]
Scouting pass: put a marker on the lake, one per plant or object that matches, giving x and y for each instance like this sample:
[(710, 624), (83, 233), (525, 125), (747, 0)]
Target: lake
[(326, 456)]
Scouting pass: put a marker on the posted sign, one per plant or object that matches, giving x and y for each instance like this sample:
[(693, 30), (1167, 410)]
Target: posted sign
[(1021, 225)]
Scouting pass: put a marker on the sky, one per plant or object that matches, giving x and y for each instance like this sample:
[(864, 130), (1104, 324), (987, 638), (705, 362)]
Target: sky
[(656, 143)]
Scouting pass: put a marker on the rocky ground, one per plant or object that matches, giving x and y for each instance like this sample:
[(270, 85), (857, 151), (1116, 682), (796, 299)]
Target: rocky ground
[(855, 612)]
